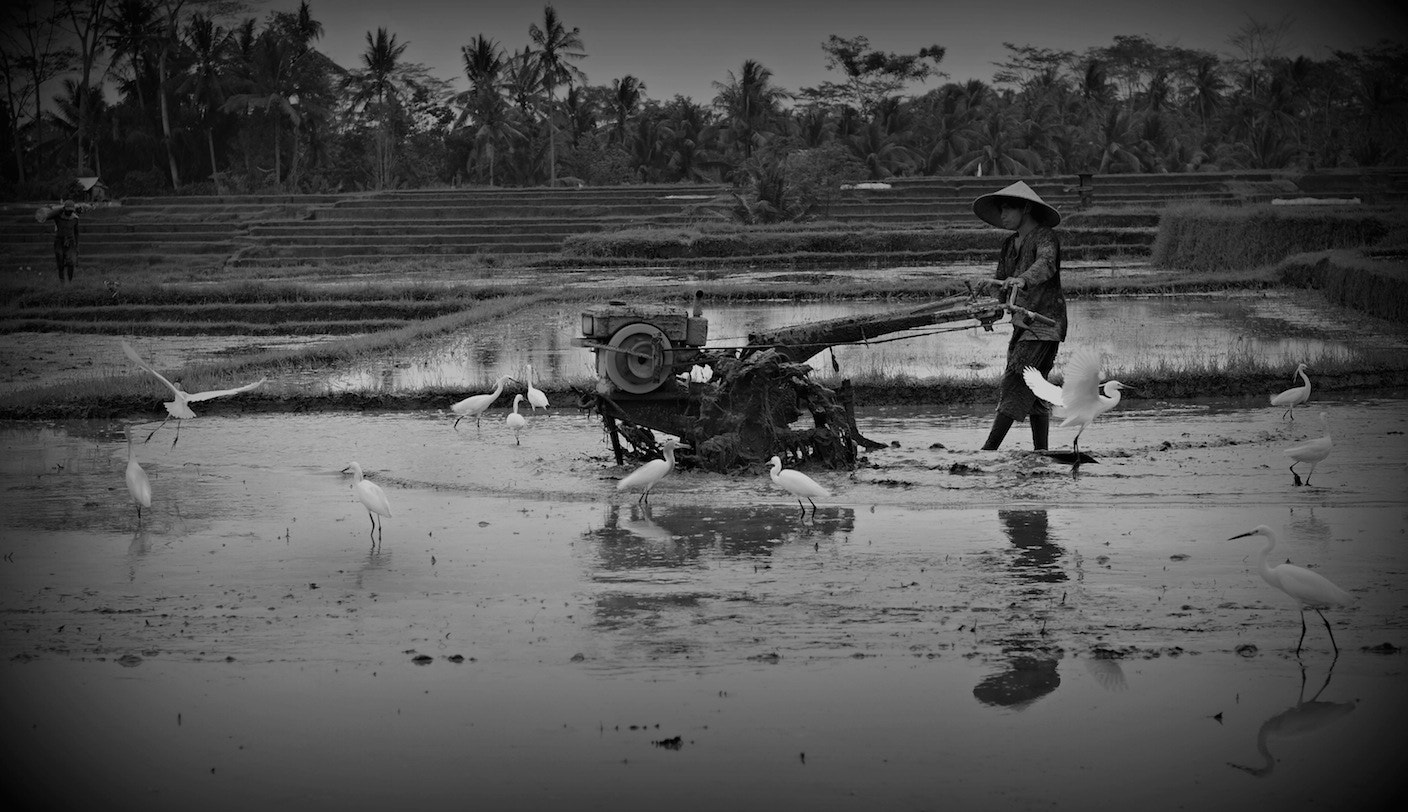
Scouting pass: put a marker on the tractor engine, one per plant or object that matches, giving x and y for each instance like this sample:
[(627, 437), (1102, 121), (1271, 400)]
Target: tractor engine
[(641, 348)]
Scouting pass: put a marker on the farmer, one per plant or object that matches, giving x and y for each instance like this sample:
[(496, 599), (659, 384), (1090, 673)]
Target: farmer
[(1030, 261), (65, 217)]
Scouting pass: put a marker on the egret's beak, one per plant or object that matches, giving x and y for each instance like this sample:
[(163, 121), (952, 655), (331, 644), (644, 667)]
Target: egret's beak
[(348, 468), (1242, 535)]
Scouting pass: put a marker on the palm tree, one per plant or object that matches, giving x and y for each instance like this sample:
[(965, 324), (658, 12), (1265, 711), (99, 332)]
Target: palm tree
[(1116, 141), (555, 47), (883, 153), (131, 24), (1206, 88), (626, 95), (749, 101), (494, 127), (207, 81), (484, 67), (997, 147), (377, 88), (269, 86), (78, 118)]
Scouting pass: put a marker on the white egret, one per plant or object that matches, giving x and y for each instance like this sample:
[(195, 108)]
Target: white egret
[(371, 495), (137, 482), (1081, 397), (476, 405), (1295, 396), (796, 483), (515, 421), (1310, 589), (537, 399), (649, 475), (179, 407), (1312, 451)]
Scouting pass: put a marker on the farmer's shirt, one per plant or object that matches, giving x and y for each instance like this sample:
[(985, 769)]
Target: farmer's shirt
[(65, 228), (1037, 261)]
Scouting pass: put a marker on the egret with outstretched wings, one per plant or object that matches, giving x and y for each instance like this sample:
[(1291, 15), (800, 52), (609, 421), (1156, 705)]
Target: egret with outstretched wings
[(179, 408)]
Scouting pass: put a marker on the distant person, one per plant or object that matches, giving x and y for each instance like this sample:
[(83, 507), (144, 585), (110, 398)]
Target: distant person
[(1031, 262), (65, 217)]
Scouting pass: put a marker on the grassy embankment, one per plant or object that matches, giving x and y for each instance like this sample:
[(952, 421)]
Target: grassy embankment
[(383, 308)]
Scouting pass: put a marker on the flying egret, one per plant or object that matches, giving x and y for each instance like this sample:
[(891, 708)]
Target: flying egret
[(1310, 589), (1295, 396), (537, 399), (476, 405), (1312, 451), (137, 482), (796, 483), (516, 421), (179, 407), (371, 495), (648, 475), (1081, 397)]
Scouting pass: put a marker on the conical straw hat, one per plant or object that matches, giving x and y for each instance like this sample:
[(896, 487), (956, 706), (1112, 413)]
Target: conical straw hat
[(987, 206)]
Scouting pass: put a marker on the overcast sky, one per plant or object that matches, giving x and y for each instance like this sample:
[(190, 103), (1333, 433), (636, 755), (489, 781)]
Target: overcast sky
[(684, 47)]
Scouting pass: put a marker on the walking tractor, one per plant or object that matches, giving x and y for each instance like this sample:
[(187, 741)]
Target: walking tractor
[(736, 405)]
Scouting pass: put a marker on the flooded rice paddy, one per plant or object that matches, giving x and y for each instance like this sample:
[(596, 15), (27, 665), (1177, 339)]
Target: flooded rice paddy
[(1218, 330), (952, 628), (1203, 331)]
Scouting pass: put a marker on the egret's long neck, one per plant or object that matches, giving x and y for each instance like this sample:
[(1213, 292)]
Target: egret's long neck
[(1109, 401), (1305, 378), (1261, 562)]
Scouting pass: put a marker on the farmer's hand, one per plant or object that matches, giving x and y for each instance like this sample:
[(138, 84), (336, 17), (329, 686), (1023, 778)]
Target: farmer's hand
[(1014, 282)]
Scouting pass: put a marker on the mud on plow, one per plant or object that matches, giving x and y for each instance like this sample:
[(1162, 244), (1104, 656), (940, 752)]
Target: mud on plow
[(735, 406)]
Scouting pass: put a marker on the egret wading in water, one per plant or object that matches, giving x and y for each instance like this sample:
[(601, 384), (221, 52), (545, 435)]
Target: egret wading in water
[(370, 495), (1312, 451), (649, 475), (179, 407), (515, 421), (537, 398), (1081, 397), (476, 405), (796, 483), (1295, 396), (1310, 589), (137, 482)]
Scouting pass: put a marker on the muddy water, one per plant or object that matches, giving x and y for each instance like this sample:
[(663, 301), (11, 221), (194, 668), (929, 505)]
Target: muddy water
[(953, 627), (1217, 330)]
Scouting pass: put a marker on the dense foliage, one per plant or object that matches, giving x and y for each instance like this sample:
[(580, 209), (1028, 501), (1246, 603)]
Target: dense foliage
[(204, 98)]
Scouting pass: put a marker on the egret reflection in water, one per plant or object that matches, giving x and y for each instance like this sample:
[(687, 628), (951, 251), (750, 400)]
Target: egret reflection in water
[(1301, 719), (662, 536), (1025, 680)]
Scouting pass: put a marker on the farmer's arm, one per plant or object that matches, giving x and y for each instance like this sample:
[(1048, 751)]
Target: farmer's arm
[(1043, 267)]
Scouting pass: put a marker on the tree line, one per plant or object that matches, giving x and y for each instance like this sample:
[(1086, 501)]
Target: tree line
[(197, 97)]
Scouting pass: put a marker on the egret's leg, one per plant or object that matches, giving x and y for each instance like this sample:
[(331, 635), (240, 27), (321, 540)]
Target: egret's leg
[(1301, 641), (1312, 472), (456, 425), (802, 508), (178, 432), (372, 517), (1293, 472), (1330, 630), (158, 427)]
